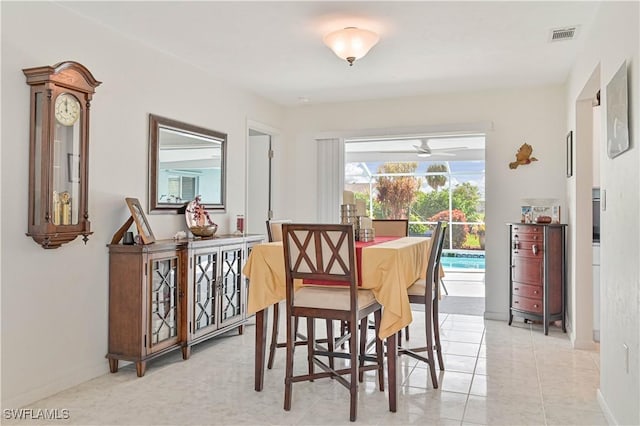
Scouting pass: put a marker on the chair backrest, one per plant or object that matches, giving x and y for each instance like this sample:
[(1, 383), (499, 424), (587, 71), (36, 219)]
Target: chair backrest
[(324, 252), (274, 229), (438, 239), (391, 227)]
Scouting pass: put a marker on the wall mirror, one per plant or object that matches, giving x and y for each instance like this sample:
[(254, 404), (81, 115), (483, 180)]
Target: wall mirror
[(185, 161)]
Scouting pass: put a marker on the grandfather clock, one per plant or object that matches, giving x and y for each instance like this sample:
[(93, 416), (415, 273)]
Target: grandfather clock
[(59, 152)]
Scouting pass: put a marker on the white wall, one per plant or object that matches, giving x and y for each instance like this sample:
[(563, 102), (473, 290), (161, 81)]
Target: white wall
[(615, 37), (54, 302), (532, 115)]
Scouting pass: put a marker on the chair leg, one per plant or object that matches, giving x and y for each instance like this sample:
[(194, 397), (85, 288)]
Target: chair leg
[(330, 341), (429, 354), (344, 327), (444, 287), (436, 332), (406, 330), (288, 384), (353, 387), (274, 335), (311, 340), (364, 326), (377, 315)]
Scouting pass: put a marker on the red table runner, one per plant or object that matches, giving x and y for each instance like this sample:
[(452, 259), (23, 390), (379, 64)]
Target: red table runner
[(359, 246)]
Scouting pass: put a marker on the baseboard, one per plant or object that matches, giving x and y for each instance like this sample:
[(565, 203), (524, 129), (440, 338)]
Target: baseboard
[(587, 344), (608, 415), (66, 380), (498, 316)]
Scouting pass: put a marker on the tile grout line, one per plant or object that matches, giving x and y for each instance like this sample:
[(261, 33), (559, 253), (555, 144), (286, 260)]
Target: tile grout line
[(535, 360), (473, 375)]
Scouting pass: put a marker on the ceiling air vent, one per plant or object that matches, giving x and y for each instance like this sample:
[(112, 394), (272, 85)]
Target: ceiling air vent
[(560, 34)]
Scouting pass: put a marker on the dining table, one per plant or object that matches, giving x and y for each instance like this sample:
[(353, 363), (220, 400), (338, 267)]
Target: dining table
[(386, 266)]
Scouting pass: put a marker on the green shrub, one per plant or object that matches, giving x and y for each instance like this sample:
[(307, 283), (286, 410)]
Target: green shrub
[(459, 231)]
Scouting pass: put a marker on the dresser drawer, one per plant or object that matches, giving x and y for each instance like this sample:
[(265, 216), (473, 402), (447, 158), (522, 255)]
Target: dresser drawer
[(527, 248), (528, 236), (527, 229), (530, 291), (526, 270), (526, 304)]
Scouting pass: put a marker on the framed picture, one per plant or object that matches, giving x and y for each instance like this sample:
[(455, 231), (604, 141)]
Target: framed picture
[(525, 214), (144, 230), (618, 113), (73, 168), (570, 153)]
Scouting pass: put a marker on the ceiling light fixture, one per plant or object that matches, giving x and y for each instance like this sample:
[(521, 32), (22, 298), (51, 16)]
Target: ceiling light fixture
[(351, 43)]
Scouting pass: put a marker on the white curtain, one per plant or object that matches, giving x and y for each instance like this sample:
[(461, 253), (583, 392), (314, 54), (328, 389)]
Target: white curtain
[(330, 179)]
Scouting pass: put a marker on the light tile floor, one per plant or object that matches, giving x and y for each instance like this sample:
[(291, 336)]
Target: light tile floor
[(495, 375), (466, 284)]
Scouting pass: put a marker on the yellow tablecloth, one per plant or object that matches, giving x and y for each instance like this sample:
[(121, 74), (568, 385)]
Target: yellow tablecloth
[(388, 269)]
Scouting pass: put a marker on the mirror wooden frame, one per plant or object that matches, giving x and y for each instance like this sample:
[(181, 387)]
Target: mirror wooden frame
[(155, 123)]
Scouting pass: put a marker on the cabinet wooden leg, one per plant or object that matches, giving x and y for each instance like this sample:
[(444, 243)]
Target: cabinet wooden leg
[(510, 318), (113, 365), (241, 329), (141, 366), (186, 352)]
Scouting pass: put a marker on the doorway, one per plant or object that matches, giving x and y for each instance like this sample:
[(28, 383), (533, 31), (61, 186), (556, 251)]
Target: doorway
[(259, 181), (427, 178)]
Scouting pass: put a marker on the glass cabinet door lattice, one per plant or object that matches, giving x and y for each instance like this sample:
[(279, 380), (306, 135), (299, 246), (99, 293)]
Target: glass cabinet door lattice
[(231, 290), (164, 302), (205, 279)]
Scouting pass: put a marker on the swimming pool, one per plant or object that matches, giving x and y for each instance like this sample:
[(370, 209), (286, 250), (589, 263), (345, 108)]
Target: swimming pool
[(462, 260)]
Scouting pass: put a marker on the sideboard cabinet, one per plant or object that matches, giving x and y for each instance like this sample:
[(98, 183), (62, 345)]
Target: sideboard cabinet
[(537, 278), (173, 294)]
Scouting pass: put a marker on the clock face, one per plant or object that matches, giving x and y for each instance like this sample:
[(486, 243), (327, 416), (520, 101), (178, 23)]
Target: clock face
[(67, 109)]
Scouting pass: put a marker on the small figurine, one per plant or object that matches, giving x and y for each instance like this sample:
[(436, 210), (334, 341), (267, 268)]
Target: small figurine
[(523, 156), (200, 214)]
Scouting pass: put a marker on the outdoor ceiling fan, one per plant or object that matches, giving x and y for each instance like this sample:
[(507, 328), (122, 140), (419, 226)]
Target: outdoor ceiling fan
[(424, 150)]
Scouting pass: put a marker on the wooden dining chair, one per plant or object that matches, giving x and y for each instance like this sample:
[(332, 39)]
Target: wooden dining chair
[(274, 233), (325, 254), (426, 292), (390, 227), (274, 228)]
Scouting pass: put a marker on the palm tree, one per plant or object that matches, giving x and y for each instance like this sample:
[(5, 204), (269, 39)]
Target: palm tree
[(436, 181)]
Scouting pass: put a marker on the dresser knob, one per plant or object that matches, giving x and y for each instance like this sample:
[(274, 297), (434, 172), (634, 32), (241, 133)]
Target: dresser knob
[(536, 306), (535, 291)]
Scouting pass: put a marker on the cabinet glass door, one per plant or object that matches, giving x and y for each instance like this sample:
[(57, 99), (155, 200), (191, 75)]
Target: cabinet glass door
[(164, 302), (204, 283), (231, 290)]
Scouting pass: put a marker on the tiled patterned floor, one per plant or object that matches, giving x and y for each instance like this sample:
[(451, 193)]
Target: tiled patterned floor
[(495, 375)]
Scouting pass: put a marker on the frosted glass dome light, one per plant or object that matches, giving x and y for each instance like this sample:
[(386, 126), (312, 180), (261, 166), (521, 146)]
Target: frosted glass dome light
[(351, 43)]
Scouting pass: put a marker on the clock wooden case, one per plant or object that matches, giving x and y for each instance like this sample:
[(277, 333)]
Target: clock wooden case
[(58, 152)]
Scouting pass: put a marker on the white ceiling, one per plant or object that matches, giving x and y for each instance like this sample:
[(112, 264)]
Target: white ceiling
[(275, 49)]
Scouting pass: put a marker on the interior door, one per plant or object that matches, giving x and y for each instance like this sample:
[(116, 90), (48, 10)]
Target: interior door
[(259, 182)]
